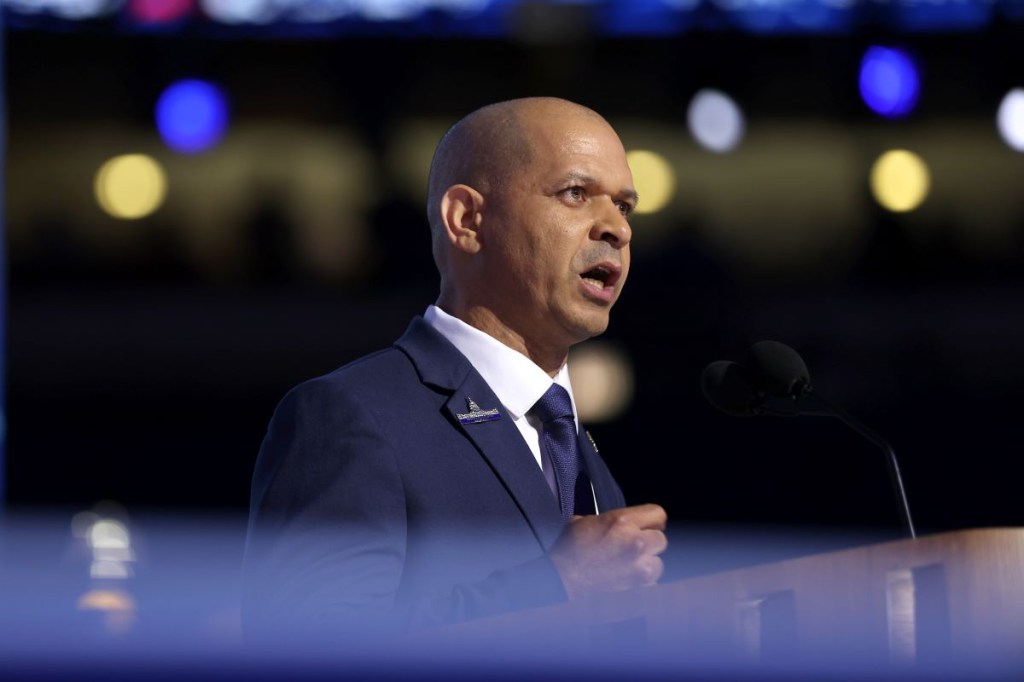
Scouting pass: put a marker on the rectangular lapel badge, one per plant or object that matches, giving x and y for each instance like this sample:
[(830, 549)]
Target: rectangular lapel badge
[(476, 415)]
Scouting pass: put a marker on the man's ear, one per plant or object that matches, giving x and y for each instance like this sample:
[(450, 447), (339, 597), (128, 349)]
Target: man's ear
[(462, 213)]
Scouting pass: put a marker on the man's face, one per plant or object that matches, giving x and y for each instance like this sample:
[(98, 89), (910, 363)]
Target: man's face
[(557, 235)]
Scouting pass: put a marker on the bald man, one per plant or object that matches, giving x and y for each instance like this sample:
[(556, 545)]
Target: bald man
[(424, 485)]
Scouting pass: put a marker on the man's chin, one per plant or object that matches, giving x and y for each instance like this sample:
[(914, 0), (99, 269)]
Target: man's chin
[(590, 326)]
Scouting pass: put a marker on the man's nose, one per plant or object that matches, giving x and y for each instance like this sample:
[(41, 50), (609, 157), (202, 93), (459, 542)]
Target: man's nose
[(612, 226)]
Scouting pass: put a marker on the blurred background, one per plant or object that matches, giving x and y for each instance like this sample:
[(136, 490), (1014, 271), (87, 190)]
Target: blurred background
[(209, 201)]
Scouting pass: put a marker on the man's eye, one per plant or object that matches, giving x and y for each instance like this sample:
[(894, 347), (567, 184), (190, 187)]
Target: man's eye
[(575, 193), (625, 208)]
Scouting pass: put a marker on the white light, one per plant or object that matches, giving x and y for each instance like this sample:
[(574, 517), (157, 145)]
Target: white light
[(242, 11), (83, 9), (715, 120), (1010, 119), (113, 554), (108, 534), (265, 11), (391, 10), (114, 570)]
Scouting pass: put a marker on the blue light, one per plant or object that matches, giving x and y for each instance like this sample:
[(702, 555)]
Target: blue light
[(191, 115), (889, 83), (490, 18)]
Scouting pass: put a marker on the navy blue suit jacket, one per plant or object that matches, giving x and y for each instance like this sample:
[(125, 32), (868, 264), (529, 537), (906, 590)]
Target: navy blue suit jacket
[(371, 502)]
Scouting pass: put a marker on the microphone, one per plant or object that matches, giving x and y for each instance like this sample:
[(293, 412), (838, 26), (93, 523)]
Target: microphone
[(774, 381)]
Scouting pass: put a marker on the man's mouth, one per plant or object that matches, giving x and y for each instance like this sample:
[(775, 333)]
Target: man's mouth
[(602, 275)]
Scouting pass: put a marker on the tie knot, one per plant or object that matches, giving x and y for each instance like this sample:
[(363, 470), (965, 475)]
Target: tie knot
[(554, 404)]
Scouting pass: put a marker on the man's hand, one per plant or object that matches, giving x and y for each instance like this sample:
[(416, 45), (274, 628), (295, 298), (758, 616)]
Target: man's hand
[(613, 551)]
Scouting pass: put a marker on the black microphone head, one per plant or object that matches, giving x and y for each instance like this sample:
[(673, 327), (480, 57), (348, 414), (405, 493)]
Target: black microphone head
[(778, 369), (727, 386)]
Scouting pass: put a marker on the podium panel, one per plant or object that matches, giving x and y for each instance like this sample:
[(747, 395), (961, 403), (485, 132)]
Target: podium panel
[(946, 603)]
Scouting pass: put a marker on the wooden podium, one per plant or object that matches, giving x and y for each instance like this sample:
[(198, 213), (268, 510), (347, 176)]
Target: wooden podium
[(952, 601)]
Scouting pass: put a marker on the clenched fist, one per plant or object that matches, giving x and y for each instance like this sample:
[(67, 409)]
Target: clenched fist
[(613, 551)]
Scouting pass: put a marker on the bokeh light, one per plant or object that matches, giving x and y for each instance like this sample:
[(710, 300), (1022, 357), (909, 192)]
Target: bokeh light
[(191, 115), (130, 186), (900, 180), (715, 120), (117, 607), (106, 600), (241, 11), (66, 9), (602, 381), (110, 542), (1010, 119), (159, 11), (108, 534), (109, 569), (392, 10), (654, 179), (889, 81)]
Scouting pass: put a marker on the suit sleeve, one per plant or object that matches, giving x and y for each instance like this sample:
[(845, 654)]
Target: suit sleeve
[(327, 538)]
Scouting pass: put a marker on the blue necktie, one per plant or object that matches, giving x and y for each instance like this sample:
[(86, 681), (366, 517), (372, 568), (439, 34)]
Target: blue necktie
[(558, 438)]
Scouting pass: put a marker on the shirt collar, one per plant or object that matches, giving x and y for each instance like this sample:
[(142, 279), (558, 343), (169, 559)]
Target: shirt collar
[(517, 381)]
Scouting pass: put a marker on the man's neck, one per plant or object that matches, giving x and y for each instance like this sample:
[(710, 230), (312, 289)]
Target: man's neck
[(548, 359)]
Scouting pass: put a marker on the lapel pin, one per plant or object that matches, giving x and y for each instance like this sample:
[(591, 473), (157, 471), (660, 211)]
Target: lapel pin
[(477, 415)]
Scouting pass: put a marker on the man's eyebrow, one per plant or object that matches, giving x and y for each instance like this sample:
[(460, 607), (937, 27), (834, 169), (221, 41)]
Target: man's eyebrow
[(580, 177), (584, 179), (631, 195)]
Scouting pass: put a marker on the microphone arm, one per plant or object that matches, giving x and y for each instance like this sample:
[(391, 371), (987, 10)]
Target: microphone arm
[(775, 382), (818, 406)]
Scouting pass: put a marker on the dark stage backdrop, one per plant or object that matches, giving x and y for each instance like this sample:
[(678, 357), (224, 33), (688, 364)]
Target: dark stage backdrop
[(141, 372)]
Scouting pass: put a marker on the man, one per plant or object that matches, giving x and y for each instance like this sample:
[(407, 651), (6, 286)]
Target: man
[(425, 484)]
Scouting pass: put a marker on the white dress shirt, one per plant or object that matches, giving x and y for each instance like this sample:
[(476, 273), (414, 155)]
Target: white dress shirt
[(517, 381)]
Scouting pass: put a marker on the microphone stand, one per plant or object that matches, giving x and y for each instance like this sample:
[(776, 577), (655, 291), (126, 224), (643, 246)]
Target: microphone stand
[(779, 386), (820, 407)]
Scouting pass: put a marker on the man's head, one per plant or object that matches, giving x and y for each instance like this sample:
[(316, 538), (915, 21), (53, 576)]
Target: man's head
[(528, 203)]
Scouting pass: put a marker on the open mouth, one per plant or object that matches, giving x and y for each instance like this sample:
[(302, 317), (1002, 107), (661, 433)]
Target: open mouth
[(601, 276)]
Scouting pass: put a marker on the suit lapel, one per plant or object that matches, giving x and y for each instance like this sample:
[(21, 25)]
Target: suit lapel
[(498, 440), (502, 445), (605, 490)]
